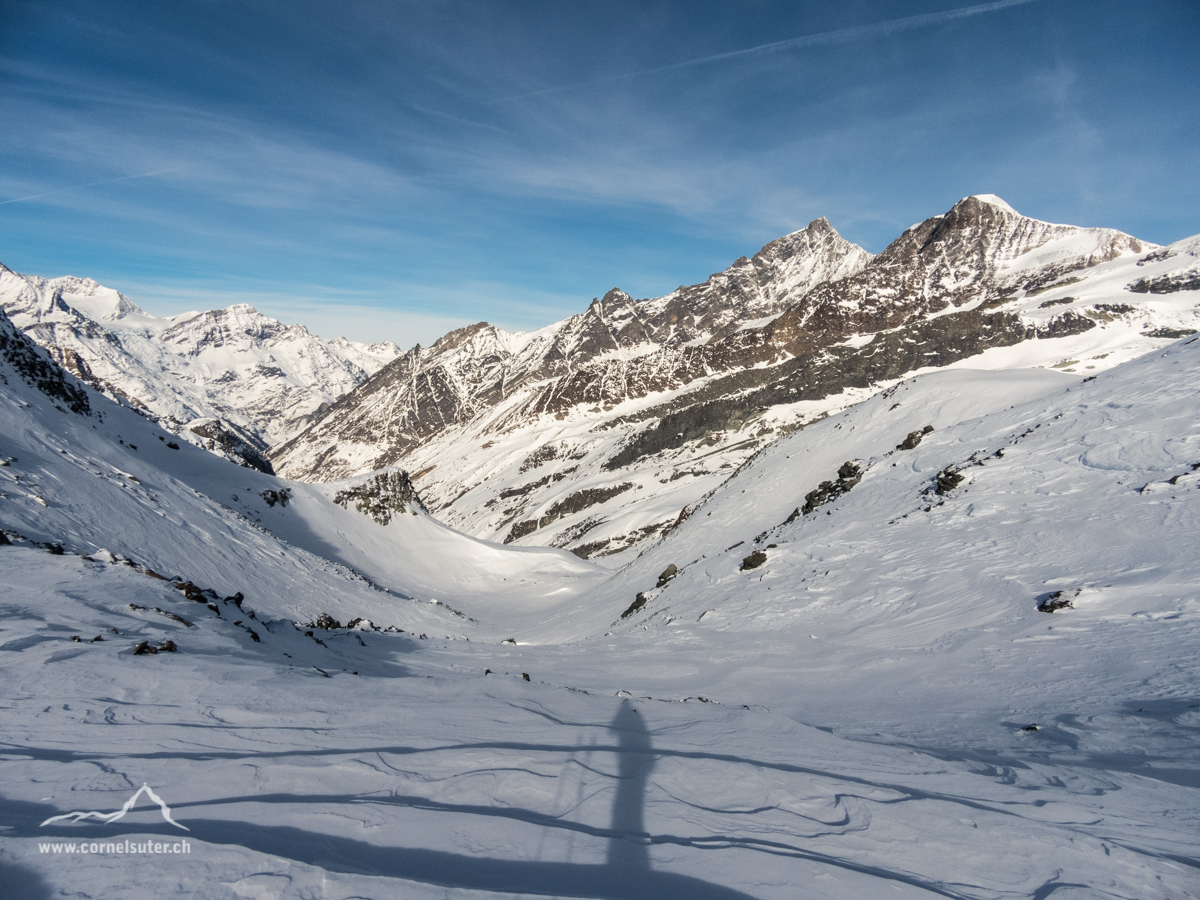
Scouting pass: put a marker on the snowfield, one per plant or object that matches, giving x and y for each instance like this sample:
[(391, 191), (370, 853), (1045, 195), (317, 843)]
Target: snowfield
[(857, 700)]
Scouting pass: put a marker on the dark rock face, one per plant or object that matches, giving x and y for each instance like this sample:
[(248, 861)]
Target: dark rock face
[(236, 444), (39, 371), (580, 500), (1170, 333), (326, 622), (1167, 284)]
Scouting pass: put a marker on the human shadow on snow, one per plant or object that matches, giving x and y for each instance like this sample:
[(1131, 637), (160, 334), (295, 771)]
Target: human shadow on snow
[(627, 873)]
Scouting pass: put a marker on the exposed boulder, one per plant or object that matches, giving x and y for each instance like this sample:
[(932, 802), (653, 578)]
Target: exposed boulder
[(668, 573), (638, 602), (849, 474), (754, 560), (947, 480), (914, 438)]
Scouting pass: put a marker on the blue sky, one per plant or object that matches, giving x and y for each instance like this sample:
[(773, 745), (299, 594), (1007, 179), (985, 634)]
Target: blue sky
[(395, 169)]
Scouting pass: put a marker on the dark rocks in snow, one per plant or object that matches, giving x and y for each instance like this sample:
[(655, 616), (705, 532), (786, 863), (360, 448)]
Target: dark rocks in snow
[(76, 638), (520, 529), (1056, 600), (754, 560), (192, 592), (326, 622), (39, 371), (171, 445), (947, 480), (382, 496), (281, 496), (524, 676), (55, 550), (849, 474), (170, 615), (1033, 727), (668, 573), (914, 438), (1061, 301), (576, 502), (1167, 284), (145, 648), (236, 444), (638, 602), (1170, 333)]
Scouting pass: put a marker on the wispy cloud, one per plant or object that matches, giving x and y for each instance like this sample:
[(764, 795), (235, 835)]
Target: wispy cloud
[(80, 187), (837, 36)]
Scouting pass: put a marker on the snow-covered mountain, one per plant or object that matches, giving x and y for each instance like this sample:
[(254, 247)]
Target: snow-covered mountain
[(831, 678), (598, 432), (232, 380)]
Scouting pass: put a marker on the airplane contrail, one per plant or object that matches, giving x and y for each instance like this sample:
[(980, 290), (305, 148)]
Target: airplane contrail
[(840, 35), (79, 187)]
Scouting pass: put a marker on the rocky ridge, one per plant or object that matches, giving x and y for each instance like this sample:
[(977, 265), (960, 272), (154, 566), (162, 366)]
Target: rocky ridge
[(671, 394)]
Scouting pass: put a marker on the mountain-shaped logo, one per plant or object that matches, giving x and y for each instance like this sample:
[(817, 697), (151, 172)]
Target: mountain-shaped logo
[(120, 813)]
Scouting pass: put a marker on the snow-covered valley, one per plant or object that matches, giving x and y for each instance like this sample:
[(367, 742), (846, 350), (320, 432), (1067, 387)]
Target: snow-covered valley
[(830, 678)]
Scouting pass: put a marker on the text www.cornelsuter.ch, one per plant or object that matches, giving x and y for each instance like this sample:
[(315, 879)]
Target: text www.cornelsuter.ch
[(116, 847)]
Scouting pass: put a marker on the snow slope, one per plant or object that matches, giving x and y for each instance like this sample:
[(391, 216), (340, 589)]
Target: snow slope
[(868, 687)]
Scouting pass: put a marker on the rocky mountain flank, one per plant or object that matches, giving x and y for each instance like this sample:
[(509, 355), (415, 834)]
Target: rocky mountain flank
[(603, 430), (619, 348), (231, 380)]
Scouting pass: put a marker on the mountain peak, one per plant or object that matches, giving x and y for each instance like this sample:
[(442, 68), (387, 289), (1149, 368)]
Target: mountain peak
[(990, 200)]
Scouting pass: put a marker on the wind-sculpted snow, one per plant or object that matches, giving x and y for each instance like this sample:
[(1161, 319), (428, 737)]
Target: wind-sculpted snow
[(673, 394), (244, 380), (876, 709)]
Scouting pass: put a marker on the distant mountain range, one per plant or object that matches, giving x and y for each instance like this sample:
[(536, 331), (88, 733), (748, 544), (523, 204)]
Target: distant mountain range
[(231, 380), (600, 432)]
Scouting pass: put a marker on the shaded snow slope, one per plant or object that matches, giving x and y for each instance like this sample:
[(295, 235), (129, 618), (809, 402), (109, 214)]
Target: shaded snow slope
[(109, 479), (236, 368)]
